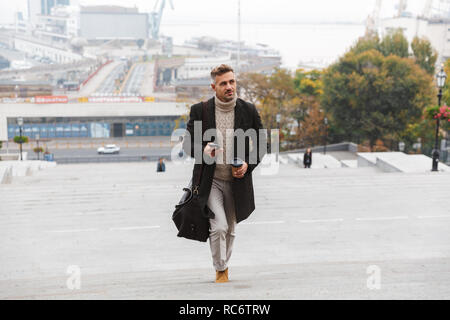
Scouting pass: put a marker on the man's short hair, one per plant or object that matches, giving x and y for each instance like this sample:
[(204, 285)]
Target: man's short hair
[(220, 70)]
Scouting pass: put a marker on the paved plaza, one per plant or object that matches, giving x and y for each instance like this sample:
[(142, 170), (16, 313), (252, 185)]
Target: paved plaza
[(316, 234)]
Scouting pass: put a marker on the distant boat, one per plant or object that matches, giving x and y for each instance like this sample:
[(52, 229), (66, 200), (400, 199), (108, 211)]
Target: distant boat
[(230, 46)]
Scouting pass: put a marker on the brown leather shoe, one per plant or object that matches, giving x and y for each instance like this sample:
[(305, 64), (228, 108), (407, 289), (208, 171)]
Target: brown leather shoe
[(222, 276)]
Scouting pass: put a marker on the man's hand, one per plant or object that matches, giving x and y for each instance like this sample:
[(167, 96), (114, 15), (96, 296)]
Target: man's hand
[(210, 151), (240, 172)]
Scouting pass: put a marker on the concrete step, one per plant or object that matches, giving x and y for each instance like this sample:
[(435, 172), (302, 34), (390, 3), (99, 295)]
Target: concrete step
[(398, 162), (11, 169), (319, 161)]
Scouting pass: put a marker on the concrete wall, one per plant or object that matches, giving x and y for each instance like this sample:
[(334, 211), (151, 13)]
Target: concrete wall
[(344, 146), (385, 166)]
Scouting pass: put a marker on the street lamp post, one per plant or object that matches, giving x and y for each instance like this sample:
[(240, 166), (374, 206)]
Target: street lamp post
[(441, 77), (278, 118), (20, 123), (325, 121), (37, 145)]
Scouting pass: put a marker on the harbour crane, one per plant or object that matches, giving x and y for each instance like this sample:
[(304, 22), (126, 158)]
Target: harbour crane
[(426, 13), (402, 5), (373, 20), (155, 18)]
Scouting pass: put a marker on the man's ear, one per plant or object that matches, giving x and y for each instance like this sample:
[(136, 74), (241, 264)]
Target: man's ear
[(213, 86)]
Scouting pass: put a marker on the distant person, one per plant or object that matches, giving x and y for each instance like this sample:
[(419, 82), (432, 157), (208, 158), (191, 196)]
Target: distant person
[(161, 166), (307, 159)]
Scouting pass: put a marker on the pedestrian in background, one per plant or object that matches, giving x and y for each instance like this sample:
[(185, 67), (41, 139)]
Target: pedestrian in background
[(161, 166), (307, 158)]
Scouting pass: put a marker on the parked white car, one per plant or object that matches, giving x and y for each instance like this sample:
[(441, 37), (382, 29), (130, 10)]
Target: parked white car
[(109, 149)]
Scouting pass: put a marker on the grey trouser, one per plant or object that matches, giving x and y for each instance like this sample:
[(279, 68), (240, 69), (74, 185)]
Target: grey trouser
[(221, 233)]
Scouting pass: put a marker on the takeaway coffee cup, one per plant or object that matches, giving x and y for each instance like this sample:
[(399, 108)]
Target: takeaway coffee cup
[(237, 163)]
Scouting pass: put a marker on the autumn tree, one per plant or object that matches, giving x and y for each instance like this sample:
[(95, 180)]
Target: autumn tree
[(370, 41), (272, 94), (395, 43), (370, 95), (311, 130), (446, 90), (424, 54), (290, 96)]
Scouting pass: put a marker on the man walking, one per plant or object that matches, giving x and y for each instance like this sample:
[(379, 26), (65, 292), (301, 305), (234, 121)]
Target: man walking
[(227, 191)]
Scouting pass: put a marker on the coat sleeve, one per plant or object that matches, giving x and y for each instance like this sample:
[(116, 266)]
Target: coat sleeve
[(261, 140), (190, 144)]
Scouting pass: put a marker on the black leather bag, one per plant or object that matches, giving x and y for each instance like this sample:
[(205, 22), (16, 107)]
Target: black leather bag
[(191, 220)]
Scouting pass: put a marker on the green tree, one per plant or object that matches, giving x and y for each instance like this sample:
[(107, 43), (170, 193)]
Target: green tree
[(395, 43), (295, 97), (370, 41), (370, 96), (424, 54), (446, 90), (272, 94)]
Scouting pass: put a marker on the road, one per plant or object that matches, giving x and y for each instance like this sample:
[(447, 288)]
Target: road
[(65, 153), (316, 234), (135, 81), (107, 87)]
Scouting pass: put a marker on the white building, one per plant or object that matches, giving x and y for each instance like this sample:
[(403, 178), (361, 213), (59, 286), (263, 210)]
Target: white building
[(37, 48), (113, 22), (61, 25), (200, 67), (37, 8)]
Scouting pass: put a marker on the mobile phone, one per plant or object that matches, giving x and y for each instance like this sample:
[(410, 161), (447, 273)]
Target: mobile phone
[(214, 145)]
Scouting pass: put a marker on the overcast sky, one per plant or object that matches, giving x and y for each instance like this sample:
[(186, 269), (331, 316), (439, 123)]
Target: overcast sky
[(289, 11)]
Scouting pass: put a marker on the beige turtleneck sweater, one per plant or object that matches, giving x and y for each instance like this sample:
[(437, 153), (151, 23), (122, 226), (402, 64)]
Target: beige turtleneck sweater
[(224, 121)]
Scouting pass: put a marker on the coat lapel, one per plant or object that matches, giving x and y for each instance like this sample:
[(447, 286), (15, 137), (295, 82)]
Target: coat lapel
[(211, 114), (238, 115)]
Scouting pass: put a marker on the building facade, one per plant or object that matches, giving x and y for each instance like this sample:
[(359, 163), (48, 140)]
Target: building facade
[(91, 120)]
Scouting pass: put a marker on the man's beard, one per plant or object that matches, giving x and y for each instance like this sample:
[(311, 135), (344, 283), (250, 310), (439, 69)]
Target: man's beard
[(228, 98)]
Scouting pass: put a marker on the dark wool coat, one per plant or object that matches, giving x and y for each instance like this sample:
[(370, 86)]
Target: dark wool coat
[(246, 117), (307, 158)]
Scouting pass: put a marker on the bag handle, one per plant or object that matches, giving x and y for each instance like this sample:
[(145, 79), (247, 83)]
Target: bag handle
[(204, 120)]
